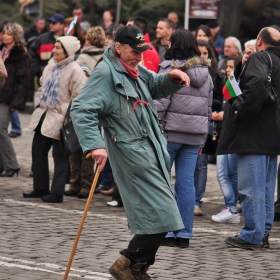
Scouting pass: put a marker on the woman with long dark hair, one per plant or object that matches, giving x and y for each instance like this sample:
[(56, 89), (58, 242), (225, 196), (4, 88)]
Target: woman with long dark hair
[(200, 176), (187, 113), (203, 33), (13, 95)]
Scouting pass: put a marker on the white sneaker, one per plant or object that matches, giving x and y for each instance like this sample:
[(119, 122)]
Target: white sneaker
[(113, 203), (225, 216)]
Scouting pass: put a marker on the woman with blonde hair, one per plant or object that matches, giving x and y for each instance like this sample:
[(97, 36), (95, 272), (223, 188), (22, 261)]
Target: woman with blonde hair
[(93, 48), (13, 95)]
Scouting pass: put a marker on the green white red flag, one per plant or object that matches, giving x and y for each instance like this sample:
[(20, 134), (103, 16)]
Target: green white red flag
[(71, 29), (231, 88)]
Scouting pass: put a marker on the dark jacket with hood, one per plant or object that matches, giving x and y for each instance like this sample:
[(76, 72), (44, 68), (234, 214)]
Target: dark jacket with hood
[(16, 86), (255, 129)]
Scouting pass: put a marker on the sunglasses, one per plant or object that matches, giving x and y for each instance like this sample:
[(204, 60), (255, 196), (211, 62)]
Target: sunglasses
[(52, 22)]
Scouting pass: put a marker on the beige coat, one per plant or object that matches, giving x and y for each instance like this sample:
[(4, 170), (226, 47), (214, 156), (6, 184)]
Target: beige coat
[(72, 79), (90, 56)]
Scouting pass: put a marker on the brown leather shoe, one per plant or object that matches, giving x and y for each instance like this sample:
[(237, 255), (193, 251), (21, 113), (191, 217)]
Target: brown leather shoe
[(122, 270), (109, 192)]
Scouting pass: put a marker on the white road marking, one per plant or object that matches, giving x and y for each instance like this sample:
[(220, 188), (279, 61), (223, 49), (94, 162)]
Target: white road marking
[(207, 230), (63, 209), (29, 265)]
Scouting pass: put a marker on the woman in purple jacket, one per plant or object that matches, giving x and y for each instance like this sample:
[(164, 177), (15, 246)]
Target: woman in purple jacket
[(187, 113)]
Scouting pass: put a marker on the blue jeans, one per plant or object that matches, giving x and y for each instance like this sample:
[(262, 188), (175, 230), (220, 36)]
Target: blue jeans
[(15, 123), (106, 176), (200, 178), (227, 178), (185, 157), (200, 174), (256, 185)]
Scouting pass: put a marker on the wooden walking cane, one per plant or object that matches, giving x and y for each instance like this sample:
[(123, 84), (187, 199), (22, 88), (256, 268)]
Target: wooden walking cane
[(96, 176)]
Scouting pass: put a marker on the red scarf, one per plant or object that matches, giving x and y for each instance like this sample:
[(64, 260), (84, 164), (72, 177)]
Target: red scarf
[(133, 73)]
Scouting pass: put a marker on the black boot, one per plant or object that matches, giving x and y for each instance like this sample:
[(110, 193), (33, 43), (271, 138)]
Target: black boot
[(70, 193), (36, 193), (53, 198)]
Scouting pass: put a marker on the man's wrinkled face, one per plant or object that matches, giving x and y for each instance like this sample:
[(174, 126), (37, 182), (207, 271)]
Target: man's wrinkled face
[(229, 48), (129, 55)]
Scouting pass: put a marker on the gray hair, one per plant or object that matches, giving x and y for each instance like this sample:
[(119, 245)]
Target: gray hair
[(114, 52), (250, 42), (17, 32), (237, 43)]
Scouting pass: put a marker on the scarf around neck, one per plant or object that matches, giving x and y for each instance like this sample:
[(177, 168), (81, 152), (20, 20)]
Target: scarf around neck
[(133, 73), (50, 93)]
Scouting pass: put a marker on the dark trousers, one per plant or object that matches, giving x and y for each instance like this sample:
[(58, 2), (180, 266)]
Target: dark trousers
[(81, 172), (40, 165), (143, 248)]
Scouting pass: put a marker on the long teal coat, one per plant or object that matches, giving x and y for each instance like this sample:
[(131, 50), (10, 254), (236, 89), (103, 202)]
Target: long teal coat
[(133, 140)]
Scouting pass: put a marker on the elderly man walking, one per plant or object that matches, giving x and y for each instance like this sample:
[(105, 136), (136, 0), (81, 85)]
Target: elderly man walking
[(252, 131), (118, 96)]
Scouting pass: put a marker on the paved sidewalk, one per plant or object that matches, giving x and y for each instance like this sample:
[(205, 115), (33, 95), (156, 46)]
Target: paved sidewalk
[(36, 238)]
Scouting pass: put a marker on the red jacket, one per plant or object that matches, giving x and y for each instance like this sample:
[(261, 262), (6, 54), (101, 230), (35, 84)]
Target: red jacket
[(150, 58)]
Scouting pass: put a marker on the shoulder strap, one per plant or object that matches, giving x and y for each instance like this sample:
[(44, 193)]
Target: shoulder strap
[(270, 66), (67, 115), (239, 77)]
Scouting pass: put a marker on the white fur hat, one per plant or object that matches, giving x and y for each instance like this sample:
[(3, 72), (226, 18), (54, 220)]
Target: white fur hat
[(70, 43)]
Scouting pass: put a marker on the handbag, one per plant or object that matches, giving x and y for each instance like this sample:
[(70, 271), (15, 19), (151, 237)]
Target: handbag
[(68, 138)]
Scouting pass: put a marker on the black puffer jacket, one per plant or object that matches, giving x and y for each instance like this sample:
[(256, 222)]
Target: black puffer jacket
[(16, 87), (255, 129)]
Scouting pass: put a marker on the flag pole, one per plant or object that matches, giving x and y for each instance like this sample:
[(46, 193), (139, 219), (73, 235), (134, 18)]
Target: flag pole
[(187, 13)]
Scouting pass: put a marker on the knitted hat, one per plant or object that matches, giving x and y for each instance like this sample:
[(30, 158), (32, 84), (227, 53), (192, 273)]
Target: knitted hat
[(70, 43), (85, 68)]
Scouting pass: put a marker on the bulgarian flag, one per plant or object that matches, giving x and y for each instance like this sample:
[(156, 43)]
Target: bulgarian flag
[(231, 88), (71, 29)]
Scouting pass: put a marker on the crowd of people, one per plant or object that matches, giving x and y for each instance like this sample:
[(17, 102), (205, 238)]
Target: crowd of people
[(138, 107)]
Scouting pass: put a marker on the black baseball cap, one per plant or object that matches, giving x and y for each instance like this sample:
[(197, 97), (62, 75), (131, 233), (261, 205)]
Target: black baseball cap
[(132, 36)]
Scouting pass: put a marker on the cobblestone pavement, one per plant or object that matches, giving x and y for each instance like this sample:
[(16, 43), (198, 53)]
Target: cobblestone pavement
[(36, 238)]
